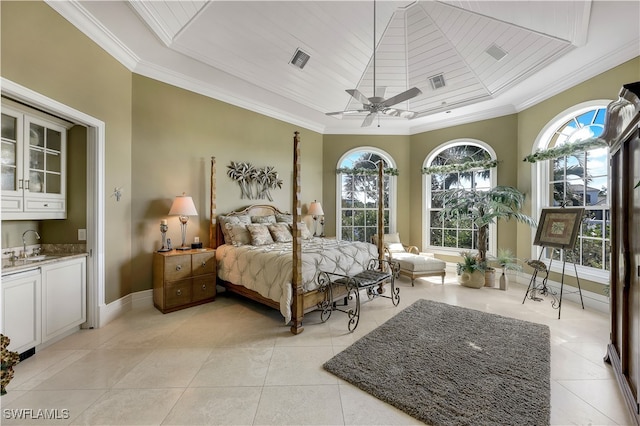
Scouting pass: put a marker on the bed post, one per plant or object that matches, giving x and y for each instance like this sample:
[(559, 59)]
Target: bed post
[(380, 212), (212, 207), (297, 308)]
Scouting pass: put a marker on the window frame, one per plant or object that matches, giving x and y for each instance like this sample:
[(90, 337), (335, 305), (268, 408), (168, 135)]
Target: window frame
[(392, 196), (426, 200), (540, 173)]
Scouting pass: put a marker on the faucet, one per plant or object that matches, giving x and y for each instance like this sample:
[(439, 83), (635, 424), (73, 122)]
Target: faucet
[(24, 241)]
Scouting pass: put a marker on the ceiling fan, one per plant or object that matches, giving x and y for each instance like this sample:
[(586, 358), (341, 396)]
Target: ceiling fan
[(377, 103)]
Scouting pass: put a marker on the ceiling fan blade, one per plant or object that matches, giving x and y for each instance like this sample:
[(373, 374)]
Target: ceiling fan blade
[(368, 119), (406, 95), (339, 114), (395, 112), (358, 96)]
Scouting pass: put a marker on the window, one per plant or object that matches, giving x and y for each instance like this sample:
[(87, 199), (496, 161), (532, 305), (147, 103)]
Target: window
[(456, 234), (578, 180), (357, 191)]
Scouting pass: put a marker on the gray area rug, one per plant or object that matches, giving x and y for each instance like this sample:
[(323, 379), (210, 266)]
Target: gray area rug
[(447, 365)]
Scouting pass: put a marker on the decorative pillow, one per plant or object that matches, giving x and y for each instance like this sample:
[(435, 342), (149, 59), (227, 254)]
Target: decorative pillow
[(280, 232), (305, 233), (260, 234), (232, 220), (284, 217), (238, 234), (395, 247), (263, 219)]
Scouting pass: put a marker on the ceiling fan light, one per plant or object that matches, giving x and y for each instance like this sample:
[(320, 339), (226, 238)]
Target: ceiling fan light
[(391, 111), (407, 114)]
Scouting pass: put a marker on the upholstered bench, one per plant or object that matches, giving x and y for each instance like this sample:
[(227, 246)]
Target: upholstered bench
[(378, 273), (420, 265)]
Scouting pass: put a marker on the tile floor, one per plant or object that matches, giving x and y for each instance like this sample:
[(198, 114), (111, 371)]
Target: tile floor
[(233, 362)]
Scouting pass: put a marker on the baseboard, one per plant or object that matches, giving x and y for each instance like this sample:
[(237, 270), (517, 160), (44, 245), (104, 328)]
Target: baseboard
[(142, 299), (111, 311), (591, 300)]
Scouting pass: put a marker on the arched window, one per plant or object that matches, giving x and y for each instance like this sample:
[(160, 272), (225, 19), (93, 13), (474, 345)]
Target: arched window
[(445, 235), (578, 179), (357, 192)]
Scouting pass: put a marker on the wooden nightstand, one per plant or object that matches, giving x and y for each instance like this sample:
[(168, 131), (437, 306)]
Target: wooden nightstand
[(183, 278)]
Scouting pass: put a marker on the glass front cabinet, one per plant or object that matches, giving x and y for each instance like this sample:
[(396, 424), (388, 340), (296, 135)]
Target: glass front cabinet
[(33, 166)]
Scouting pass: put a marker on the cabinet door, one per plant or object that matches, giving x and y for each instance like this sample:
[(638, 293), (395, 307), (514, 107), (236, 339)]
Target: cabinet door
[(203, 263), (177, 267), (63, 297), (21, 317), (177, 293), (44, 162), (12, 160), (204, 287)]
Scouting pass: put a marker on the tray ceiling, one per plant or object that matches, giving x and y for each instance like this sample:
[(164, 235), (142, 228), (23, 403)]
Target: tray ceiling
[(494, 57)]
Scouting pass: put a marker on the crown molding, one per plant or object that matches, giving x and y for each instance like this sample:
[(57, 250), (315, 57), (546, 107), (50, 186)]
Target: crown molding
[(207, 89), (79, 17), (594, 68)]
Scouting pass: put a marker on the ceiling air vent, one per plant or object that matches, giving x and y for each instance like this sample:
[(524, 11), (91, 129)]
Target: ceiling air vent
[(299, 59), (437, 81), (496, 52)]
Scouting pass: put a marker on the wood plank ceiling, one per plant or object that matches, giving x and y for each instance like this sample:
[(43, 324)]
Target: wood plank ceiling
[(255, 40)]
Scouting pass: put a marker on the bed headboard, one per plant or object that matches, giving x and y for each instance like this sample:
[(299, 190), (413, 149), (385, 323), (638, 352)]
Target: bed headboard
[(252, 210)]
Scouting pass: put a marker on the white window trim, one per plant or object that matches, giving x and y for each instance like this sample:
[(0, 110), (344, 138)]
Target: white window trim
[(540, 190), (426, 186), (393, 183)]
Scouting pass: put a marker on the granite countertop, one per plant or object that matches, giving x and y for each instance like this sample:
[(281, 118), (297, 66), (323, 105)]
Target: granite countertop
[(33, 262)]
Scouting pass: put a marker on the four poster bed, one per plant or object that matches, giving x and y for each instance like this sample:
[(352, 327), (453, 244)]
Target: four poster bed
[(259, 253)]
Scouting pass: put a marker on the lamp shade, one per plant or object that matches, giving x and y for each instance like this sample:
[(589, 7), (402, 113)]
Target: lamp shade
[(315, 209), (183, 206)]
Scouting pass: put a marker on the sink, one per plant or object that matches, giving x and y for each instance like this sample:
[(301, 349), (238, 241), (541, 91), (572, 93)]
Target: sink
[(41, 257)]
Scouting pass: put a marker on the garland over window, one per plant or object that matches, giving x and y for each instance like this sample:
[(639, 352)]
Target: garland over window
[(460, 167), (566, 149), (366, 172)]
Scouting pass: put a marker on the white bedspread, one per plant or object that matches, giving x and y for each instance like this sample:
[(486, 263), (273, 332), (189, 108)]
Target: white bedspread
[(267, 270)]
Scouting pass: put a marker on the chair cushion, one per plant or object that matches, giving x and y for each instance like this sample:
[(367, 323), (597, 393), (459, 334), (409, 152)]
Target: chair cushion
[(367, 278), (417, 263), (395, 247)]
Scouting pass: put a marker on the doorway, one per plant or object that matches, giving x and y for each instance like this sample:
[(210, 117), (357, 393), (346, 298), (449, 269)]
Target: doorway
[(95, 188)]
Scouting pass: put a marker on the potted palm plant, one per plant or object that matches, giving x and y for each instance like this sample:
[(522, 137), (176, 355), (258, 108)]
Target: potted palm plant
[(470, 270), (483, 208)]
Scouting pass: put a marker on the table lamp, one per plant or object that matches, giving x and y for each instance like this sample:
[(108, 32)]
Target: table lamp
[(315, 209), (183, 207)]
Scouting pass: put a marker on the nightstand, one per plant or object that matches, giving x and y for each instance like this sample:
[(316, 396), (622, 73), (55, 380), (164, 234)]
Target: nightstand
[(183, 278)]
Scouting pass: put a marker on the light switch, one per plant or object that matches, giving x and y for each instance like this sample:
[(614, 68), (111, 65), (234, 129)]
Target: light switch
[(82, 235)]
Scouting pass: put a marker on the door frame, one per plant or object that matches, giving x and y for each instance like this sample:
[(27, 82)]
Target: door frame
[(95, 188)]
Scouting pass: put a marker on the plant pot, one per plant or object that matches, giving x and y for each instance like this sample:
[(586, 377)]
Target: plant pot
[(473, 280), (490, 278)]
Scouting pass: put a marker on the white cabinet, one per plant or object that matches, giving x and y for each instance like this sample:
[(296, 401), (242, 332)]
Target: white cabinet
[(33, 165), (21, 313), (44, 303), (63, 297)]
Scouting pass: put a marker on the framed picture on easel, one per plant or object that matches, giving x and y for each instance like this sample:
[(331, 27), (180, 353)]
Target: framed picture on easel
[(559, 227)]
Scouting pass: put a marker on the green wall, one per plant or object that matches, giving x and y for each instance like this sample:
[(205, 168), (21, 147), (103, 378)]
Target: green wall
[(532, 120), (500, 133), (335, 146), (159, 141), (175, 134), (45, 53)]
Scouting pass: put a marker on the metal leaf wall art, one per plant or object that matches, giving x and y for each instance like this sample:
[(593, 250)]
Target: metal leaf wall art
[(255, 183)]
